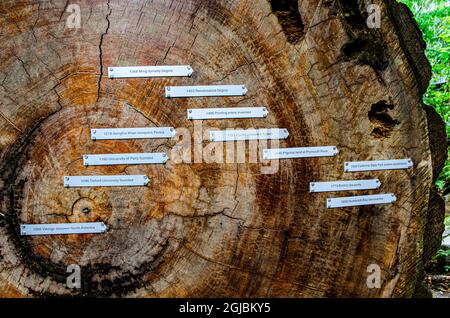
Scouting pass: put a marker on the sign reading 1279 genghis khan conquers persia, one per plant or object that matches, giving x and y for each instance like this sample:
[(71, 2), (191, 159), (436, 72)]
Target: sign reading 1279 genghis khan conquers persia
[(62, 228), (301, 152), (227, 113), (344, 185), (205, 91), (361, 200), (248, 134), (124, 159), (149, 71), (105, 181), (132, 133), (378, 165)]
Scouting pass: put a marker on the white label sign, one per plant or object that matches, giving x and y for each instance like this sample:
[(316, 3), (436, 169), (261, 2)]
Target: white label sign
[(227, 113), (248, 134), (344, 185), (149, 71), (62, 228), (105, 181), (124, 159), (132, 133), (302, 152), (361, 200), (205, 91), (378, 165)]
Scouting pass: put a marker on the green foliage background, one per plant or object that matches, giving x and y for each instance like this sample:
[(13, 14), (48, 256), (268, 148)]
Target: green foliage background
[(433, 17)]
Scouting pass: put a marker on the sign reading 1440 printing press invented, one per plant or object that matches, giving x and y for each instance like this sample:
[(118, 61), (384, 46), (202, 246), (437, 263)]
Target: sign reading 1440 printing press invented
[(105, 181), (344, 185), (361, 200), (301, 152), (62, 228), (248, 134), (227, 113), (149, 71), (124, 159), (132, 133), (378, 165), (205, 91)]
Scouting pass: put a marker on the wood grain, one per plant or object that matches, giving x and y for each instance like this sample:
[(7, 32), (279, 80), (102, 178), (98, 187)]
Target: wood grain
[(214, 229)]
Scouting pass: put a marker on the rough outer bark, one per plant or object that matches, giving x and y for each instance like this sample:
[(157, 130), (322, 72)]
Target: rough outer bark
[(215, 229)]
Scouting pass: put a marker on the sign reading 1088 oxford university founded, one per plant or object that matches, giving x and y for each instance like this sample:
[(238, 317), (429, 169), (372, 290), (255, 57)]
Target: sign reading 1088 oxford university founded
[(105, 181)]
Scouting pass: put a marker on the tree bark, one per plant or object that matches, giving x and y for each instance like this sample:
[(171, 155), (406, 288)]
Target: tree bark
[(222, 229)]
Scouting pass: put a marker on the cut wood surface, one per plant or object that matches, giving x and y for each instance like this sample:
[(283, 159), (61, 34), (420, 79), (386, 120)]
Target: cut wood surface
[(216, 229)]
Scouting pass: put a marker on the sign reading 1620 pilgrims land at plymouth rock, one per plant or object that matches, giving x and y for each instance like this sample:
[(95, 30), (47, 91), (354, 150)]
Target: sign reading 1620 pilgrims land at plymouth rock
[(149, 71), (124, 159), (301, 152)]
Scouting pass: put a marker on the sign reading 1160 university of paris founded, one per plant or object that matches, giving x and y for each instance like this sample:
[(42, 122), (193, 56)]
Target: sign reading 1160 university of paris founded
[(149, 71), (124, 159)]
